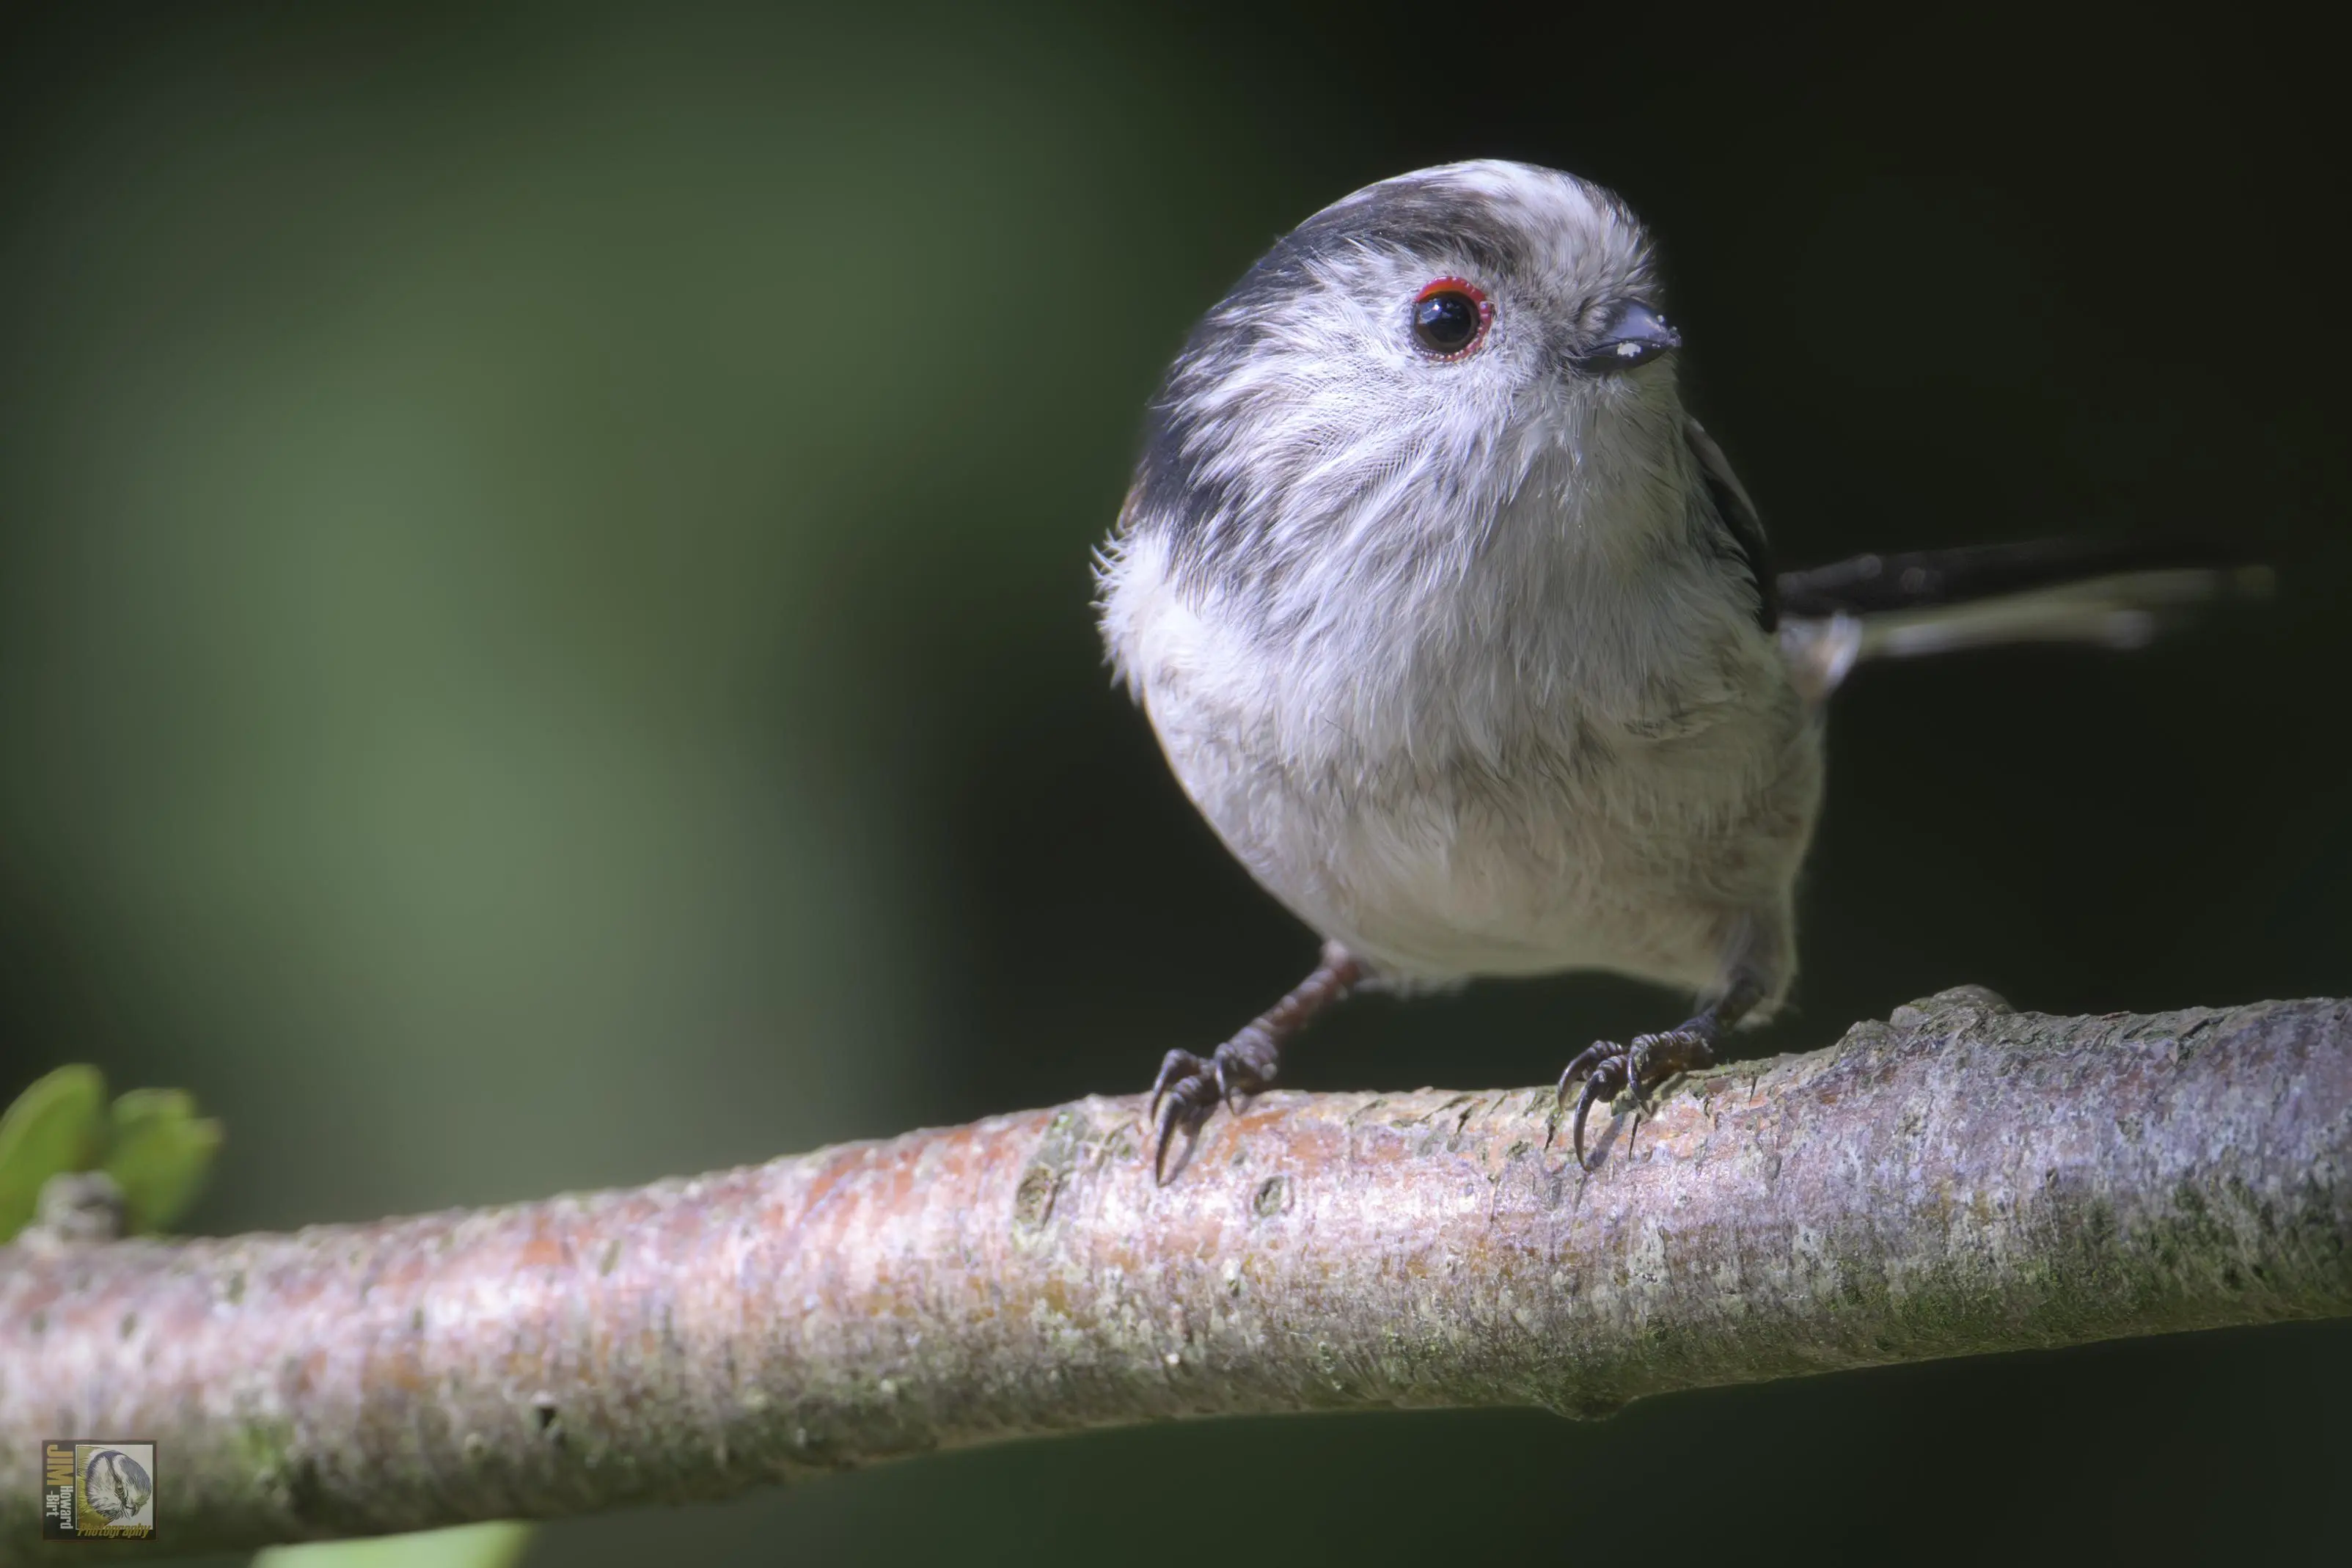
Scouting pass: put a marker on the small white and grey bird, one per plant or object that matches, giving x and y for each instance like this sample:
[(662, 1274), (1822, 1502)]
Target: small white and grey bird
[(1466, 640)]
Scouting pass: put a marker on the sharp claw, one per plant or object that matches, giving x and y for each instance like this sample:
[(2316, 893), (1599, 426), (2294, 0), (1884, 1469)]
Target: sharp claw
[(1584, 1105), (1593, 1064), (1166, 1136), (1588, 1061), (1173, 1067), (1183, 1080)]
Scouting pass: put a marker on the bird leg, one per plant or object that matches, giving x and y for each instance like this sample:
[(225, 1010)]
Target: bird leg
[(1192, 1085), (1647, 1061)]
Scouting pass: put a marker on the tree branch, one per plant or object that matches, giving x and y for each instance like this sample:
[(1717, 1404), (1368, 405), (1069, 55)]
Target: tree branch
[(1959, 1180)]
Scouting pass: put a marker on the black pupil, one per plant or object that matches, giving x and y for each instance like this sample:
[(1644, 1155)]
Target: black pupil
[(1445, 323)]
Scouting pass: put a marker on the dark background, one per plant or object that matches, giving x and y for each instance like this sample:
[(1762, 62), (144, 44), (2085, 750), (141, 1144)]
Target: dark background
[(544, 642)]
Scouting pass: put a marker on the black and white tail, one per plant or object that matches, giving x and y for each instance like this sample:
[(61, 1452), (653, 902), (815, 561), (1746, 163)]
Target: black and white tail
[(2106, 594)]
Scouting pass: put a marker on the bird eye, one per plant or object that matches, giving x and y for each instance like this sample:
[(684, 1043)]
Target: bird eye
[(1450, 318)]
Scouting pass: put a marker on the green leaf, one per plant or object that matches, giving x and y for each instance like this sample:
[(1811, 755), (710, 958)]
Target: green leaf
[(162, 1152), (59, 1124), (465, 1546)]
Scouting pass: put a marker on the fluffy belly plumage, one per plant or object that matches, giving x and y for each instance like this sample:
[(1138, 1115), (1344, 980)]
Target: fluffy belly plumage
[(1480, 873)]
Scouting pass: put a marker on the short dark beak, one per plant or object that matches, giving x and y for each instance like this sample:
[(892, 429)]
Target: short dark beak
[(1631, 333)]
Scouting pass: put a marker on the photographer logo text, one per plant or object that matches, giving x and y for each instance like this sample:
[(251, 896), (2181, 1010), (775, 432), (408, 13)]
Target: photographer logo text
[(97, 1490)]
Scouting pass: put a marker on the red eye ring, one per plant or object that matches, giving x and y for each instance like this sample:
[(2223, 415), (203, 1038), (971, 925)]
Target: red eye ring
[(1450, 316)]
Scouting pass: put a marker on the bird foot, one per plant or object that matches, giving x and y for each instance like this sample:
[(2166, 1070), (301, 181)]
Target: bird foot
[(1191, 1085), (1641, 1065), (1190, 1088)]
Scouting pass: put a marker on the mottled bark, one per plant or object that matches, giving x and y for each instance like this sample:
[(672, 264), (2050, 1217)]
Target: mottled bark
[(1959, 1180)]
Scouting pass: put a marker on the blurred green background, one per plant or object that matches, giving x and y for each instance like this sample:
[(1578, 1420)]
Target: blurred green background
[(544, 642)]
